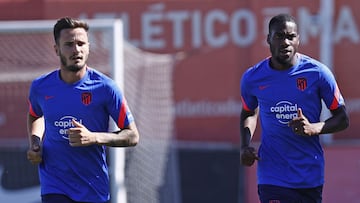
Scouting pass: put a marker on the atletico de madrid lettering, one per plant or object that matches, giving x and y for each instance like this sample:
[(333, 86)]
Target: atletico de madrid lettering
[(301, 83), (86, 98)]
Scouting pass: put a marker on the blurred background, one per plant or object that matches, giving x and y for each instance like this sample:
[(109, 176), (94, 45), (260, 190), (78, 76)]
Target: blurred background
[(182, 66)]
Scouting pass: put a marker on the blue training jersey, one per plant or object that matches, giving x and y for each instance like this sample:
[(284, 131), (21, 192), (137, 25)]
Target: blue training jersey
[(78, 172), (287, 159)]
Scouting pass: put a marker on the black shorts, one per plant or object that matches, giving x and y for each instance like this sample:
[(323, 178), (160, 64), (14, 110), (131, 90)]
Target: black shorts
[(276, 194), (58, 198)]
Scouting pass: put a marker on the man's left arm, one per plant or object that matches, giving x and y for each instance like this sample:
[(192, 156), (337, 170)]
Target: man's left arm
[(81, 136), (337, 122)]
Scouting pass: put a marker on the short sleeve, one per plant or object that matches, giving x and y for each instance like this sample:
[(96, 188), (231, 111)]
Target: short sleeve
[(248, 100), (329, 90), (118, 107), (33, 101)]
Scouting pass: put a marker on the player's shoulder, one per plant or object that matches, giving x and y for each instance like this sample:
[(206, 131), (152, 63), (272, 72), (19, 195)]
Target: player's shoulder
[(310, 62), (95, 73), (320, 70), (97, 76), (258, 67), (46, 78)]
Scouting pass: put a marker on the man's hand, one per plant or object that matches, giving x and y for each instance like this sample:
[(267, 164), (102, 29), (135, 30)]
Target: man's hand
[(80, 135), (248, 156), (34, 154), (301, 125)]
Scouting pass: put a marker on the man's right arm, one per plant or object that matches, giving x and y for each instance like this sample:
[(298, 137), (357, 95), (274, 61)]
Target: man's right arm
[(248, 121), (35, 128)]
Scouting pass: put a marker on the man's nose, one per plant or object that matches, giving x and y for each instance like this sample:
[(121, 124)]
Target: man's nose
[(76, 48)]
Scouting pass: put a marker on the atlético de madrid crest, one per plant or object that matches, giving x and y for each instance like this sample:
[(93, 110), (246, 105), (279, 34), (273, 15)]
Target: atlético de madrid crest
[(86, 98), (301, 83)]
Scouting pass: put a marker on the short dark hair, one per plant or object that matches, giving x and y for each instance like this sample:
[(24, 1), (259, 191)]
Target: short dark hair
[(67, 22), (280, 19)]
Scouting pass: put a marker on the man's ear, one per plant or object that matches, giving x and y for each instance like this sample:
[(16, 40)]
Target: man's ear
[(56, 48), (268, 39), (298, 42)]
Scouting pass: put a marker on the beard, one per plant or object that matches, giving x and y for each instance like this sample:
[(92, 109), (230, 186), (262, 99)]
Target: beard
[(283, 61), (72, 68)]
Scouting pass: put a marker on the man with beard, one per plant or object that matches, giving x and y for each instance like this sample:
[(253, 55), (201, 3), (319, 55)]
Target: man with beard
[(68, 121), (286, 91)]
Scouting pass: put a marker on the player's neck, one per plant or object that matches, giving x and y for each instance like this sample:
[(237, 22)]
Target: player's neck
[(274, 64), (70, 77)]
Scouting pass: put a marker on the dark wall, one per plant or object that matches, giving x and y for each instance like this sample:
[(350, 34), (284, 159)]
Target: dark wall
[(210, 176)]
